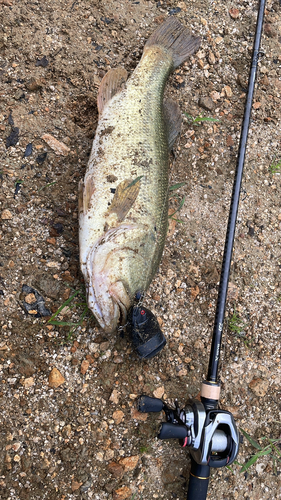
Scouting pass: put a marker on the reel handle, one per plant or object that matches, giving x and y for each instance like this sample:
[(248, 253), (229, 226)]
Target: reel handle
[(198, 481), (146, 404)]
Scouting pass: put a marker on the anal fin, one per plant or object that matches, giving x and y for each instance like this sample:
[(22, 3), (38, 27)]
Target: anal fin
[(173, 120), (111, 83)]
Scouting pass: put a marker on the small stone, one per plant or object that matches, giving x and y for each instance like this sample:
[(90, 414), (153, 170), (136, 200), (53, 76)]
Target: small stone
[(259, 386), (232, 292), (6, 215), (194, 292), (118, 416), (109, 454), (84, 366), (34, 84), (30, 298), (55, 378), (269, 30), (122, 493), (211, 58), (206, 103), (114, 396), (16, 458), (158, 393), (99, 456), (182, 373), (53, 264), (116, 470), (265, 80), (138, 415), (234, 13), (218, 40), (16, 446), (59, 147), (32, 311), (229, 141), (75, 485), (227, 90), (129, 463), (257, 105), (28, 382)]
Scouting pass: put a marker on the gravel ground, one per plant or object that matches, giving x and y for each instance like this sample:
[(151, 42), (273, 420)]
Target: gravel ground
[(69, 424)]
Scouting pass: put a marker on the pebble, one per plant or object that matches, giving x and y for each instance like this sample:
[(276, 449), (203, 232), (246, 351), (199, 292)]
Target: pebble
[(122, 493), (55, 378), (35, 84), (269, 30), (211, 58), (234, 13), (158, 393), (118, 416), (227, 90), (28, 382), (30, 298), (232, 292), (6, 215), (259, 386), (129, 463), (116, 469), (229, 141), (206, 103), (84, 366), (109, 454), (59, 147), (75, 485), (138, 415), (114, 396)]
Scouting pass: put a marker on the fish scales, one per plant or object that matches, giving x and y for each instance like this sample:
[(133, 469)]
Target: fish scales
[(123, 201)]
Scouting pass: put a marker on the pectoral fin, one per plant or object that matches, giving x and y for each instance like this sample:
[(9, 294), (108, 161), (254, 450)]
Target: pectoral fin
[(111, 83), (124, 198)]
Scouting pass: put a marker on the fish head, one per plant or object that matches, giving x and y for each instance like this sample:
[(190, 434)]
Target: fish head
[(110, 276), (108, 301)]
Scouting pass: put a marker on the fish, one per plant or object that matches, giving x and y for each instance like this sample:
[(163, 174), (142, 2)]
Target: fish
[(123, 199)]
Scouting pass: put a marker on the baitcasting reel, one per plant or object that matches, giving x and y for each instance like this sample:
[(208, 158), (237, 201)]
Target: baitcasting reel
[(210, 434)]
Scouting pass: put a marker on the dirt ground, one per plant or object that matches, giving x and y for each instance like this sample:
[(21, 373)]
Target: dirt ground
[(75, 432)]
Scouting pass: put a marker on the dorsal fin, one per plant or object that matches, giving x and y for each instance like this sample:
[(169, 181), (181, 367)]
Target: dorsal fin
[(111, 83)]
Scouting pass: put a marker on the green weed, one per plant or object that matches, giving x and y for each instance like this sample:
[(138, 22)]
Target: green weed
[(237, 326), (272, 448), (275, 166), (47, 185), (200, 119), (144, 449), (70, 303), (178, 198)]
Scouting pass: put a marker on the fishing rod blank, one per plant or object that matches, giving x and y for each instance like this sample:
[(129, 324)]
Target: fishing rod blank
[(209, 433), (222, 293)]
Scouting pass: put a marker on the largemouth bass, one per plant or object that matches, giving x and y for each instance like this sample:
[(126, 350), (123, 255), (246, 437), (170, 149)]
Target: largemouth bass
[(123, 202)]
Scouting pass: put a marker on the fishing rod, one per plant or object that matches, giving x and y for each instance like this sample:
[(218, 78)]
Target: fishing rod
[(208, 432)]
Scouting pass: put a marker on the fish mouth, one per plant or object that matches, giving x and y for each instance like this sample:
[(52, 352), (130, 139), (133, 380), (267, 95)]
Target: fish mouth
[(108, 307)]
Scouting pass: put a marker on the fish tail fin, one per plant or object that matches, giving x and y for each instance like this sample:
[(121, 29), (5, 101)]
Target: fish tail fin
[(176, 39)]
